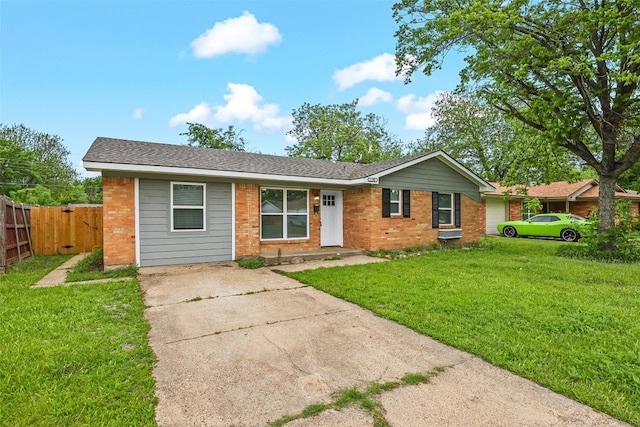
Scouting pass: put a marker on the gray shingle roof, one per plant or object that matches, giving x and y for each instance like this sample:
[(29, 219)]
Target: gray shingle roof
[(127, 152)]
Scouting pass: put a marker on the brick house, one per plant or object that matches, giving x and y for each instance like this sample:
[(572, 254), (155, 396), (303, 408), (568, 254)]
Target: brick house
[(580, 198), (175, 204)]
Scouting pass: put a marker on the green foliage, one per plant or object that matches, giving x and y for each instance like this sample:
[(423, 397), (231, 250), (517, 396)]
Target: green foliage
[(626, 235), (631, 178), (17, 167), (251, 263), (340, 133), (93, 189), (569, 70), (570, 325), (72, 355), (532, 205), (34, 168), (34, 196), (200, 135), (49, 160), (495, 148)]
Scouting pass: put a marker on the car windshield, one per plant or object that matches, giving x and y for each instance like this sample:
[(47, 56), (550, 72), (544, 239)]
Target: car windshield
[(576, 218)]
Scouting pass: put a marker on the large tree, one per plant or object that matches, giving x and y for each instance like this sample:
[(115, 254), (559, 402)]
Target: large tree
[(17, 167), (200, 135), (569, 69), (340, 132), (49, 156), (494, 147)]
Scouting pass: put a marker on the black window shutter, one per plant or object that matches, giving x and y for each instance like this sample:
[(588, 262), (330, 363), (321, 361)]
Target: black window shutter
[(458, 210), (434, 210), (406, 203), (386, 203)]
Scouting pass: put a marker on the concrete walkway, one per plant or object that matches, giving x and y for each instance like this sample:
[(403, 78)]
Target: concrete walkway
[(239, 347), (58, 276)]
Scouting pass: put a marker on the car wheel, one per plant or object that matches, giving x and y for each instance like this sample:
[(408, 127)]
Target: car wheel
[(569, 235), (509, 231)]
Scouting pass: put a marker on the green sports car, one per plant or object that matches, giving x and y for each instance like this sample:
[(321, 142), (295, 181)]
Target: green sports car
[(568, 227)]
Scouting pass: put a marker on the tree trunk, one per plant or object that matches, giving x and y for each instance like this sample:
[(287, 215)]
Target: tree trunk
[(607, 209)]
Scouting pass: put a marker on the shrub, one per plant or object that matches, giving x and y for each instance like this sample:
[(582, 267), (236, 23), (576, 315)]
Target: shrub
[(626, 235)]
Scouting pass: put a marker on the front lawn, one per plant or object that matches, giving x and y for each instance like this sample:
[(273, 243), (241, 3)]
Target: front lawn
[(570, 325), (72, 355)]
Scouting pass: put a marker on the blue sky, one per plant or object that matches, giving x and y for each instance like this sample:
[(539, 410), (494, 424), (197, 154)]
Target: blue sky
[(141, 69)]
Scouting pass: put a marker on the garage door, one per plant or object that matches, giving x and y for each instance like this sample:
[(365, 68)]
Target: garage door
[(496, 213)]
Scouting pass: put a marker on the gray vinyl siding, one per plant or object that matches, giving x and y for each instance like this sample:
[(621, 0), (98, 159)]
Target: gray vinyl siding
[(161, 246), (431, 175)]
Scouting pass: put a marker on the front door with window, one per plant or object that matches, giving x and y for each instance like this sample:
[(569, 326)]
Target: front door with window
[(330, 218)]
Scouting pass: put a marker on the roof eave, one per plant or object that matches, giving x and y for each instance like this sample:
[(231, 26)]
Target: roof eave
[(122, 167), (483, 185)]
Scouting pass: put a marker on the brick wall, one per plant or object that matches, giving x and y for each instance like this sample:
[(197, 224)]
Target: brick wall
[(583, 208), (365, 228), (248, 225), (118, 195), (515, 210)]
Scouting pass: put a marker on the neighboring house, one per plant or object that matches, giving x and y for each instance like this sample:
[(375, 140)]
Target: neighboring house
[(176, 204), (580, 198)]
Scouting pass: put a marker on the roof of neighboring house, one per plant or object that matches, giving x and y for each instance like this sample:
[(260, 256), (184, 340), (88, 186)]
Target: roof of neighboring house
[(138, 156), (584, 189)]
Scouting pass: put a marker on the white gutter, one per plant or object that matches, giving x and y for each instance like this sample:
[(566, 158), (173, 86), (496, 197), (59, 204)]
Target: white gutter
[(118, 167)]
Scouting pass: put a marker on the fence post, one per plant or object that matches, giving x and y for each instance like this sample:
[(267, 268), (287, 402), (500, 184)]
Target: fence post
[(3, 236)]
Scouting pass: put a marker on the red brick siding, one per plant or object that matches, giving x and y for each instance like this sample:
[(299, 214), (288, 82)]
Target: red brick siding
[(583, 208), (515, 210), (118, 221), (365, 228)]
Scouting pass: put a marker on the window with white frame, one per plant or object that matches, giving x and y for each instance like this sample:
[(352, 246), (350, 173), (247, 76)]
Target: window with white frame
[(187, 206), (445, 209), (284, 214), (394, 202)]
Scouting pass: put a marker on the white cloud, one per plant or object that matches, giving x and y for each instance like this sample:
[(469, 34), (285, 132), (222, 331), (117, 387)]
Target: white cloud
[(374, 96), (381, 68), (243, 103), (236, 35), (418, 110), (201, 113), (137, 113)]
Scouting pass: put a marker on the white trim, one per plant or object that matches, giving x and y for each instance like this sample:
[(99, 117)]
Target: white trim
[(285, 214), (572, 197), (233, 221), (97, 167), (136, 210), (394, 202), (203, 207), (452, 209)]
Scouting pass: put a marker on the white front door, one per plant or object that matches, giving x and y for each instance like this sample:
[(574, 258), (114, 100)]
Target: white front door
[(330, 218)]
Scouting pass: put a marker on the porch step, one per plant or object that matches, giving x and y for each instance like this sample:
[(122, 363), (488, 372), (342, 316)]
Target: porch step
[(297, 257)]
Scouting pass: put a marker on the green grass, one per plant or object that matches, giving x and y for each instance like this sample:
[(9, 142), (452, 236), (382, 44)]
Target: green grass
[(72, 355), (251, 263), (92, 268), (571, 325), (365, 399)]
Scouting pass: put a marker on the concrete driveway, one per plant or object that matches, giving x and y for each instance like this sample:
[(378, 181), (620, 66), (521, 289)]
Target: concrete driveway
[(239, 347)]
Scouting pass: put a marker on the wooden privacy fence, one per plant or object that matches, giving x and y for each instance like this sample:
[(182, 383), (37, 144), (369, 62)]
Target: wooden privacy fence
[(66, 229), (15, 239)]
